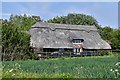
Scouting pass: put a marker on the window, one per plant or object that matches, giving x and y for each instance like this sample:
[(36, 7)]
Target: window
[(77, 41), (76, 50)]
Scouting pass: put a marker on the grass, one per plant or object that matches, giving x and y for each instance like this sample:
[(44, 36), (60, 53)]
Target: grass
[(0, 69), (82, 67)]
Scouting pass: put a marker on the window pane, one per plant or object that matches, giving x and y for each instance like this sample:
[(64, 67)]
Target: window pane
[(77, 41)]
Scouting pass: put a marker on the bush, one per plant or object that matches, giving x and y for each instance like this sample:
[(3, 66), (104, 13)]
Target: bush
[(103, 52)]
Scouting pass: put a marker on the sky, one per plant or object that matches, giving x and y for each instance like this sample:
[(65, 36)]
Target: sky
[(106, 13)]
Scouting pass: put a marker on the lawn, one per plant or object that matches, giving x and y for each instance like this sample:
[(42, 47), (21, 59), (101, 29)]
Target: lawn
[(79, 67)]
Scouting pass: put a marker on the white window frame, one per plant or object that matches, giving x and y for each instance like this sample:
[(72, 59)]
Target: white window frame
[(76, 41)]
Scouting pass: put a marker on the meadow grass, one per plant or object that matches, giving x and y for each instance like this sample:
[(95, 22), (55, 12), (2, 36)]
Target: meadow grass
[(1, 69), (75, 67)]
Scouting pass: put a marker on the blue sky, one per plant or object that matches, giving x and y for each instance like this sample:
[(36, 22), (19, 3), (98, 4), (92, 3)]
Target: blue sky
[(106, 13)]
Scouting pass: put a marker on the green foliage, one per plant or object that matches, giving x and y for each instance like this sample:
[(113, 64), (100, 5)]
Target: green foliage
[(103, 52), (23, 23), (115, 39), (77, 19), (15, 40), (106, 33), (111, 35), (84, 67), (116, 70)]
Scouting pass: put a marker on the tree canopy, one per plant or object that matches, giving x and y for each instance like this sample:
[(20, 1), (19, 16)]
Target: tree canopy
[(115, 38), (14, 37), (77, 19)]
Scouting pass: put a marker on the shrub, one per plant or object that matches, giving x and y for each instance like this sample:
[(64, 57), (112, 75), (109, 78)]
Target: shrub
[(103, 52)]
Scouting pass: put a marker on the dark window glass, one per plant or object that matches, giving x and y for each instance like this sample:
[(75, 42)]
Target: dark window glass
[(77, 40)]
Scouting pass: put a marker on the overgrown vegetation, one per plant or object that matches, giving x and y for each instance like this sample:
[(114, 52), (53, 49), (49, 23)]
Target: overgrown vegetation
[(15, 39), (83, 67), (111, 35)]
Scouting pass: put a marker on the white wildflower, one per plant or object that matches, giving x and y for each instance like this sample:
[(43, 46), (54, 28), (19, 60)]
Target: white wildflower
[(111, 69), (118, 63), (11, 70), (13, 74), (116, 70)]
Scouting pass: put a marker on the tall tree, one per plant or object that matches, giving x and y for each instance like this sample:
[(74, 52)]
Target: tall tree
[(14, 37), (115, 39), (77, 19), (106, 32), (111, 35)]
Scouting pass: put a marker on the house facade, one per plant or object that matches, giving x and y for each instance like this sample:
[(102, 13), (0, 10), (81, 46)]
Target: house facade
[(50, 37)]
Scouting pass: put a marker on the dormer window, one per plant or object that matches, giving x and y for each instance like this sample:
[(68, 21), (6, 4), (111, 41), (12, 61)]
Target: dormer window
[(77, 41)]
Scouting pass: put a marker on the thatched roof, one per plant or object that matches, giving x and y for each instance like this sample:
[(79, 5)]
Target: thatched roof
[(51, 35)]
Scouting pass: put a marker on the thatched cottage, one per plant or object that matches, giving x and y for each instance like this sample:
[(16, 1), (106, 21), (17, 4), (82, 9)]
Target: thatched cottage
[(50, 37)]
